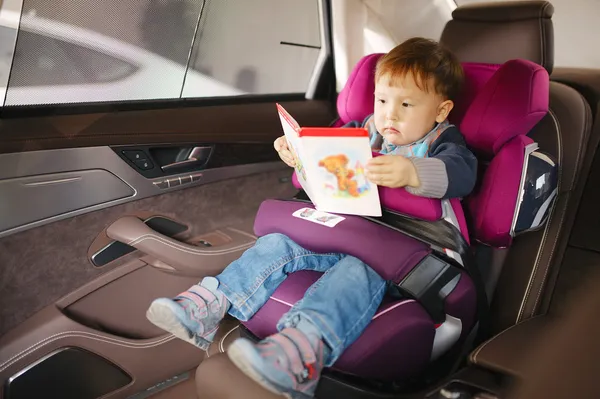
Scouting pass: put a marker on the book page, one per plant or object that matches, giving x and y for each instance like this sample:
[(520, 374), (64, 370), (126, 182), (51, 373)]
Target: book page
[(338, 173), (291, 130)]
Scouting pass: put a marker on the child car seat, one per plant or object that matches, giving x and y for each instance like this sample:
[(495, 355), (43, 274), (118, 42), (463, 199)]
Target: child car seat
[(420, 244)]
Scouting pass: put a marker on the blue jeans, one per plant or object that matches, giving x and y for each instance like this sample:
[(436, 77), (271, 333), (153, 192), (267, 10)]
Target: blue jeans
[(340, 303)]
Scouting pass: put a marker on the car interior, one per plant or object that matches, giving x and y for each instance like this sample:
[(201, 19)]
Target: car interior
[(119, 185)]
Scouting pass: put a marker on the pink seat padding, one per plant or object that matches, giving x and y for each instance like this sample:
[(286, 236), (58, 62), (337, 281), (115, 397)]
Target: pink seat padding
[(357, 98), (476, 76), (497, 104), (493, 203), (506, 106), (510, 103)]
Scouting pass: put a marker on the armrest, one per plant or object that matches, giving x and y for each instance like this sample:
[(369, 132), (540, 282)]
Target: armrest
[(185, 259), (506, 352)]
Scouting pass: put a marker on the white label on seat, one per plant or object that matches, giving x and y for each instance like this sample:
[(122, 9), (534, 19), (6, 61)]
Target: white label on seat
[(323, 218)]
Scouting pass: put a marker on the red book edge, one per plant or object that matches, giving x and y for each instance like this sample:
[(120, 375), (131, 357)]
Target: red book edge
[(321, 131), (333, 132), (288, 118)]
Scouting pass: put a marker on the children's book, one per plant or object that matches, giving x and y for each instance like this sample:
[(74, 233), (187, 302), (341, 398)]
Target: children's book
[(330, 166)]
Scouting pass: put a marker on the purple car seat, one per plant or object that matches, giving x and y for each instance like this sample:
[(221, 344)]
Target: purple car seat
[(419, 244)]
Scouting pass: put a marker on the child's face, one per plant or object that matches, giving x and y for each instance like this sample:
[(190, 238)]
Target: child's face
[(404, 113)]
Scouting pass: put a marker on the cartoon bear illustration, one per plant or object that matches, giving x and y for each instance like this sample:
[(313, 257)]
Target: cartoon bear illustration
[(338, 166)]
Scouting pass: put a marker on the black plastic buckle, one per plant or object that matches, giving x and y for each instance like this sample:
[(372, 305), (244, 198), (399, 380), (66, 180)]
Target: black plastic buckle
[(429, 283)]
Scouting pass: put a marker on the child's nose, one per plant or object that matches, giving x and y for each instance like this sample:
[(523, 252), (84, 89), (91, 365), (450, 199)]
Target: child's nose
[(392, 115)]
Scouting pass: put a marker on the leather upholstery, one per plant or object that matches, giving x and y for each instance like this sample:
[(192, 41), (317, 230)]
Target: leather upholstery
[(505, 352), (494, 33), (535, 257), (480, 33)]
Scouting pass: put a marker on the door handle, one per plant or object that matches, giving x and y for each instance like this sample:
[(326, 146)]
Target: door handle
[(198, 155), (184, 258)]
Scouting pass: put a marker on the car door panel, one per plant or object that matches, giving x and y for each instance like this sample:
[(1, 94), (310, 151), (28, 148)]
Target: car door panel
[(39, 259), (54, 296), (241, 120), (61, 192), (110, 301), (76, 163), (147, 361)]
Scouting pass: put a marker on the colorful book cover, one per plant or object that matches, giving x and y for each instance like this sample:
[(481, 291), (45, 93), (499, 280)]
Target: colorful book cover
[(330, 166)]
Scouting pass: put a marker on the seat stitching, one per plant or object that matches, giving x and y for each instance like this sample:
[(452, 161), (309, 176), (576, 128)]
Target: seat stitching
[(551, 254), (242, 233), (182, 248), (542, 41), (546, 229), (560, 224), (535, 267), (222, 341), (548, 223), (375, 316), (478, 350), (151, 236), (82, 334)]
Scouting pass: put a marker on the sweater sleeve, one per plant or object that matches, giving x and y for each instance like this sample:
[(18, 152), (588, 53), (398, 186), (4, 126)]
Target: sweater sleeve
[(450, 171)]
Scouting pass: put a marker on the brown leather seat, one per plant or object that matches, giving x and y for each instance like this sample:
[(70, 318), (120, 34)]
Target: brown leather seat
[(214, 379), (480, 33), (564, 363)]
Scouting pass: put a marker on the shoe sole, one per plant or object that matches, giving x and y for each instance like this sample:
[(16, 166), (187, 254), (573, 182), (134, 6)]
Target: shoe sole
[(237, 356), (161, 316)]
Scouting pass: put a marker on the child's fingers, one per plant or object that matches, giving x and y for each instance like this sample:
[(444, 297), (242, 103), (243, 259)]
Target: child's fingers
[(377, 161), (280, 144), (377, 169), (287, 157), (286, 154)]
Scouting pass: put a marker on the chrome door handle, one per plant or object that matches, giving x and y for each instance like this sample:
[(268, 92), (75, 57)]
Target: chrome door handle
[(198, 155)]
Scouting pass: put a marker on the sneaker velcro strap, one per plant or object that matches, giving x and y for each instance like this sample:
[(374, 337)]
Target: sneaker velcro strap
[(302, 343), (291, 350), (201, 308)]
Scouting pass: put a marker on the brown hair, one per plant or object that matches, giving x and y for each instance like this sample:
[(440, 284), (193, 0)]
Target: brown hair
[(430, 64)]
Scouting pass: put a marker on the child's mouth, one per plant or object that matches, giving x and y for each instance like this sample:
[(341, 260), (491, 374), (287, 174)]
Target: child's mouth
[(392, 130)]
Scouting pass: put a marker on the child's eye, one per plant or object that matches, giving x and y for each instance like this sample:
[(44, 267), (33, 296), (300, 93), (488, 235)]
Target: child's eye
[(381, 101), (406, 105)]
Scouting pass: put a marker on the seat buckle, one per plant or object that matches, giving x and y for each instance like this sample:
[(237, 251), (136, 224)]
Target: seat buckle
[(429, 283)]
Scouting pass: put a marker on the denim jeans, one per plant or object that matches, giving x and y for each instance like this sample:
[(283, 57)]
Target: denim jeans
[(340, 303)]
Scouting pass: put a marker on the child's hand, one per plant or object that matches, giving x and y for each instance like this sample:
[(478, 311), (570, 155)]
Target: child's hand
[(284, 152), (392, 171)]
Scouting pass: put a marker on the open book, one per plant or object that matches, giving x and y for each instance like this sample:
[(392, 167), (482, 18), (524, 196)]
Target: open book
[(330, 166)]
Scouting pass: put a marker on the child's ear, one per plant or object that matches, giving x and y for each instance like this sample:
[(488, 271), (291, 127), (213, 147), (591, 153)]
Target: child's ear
[(444, 110)]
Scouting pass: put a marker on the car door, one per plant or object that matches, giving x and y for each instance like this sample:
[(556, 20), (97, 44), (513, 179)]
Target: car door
[(145, 117)]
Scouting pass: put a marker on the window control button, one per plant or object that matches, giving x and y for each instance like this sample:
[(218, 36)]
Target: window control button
[(186, 179), (196, 177), (144, 164), (174, 182), (135, 155), (161, 184)]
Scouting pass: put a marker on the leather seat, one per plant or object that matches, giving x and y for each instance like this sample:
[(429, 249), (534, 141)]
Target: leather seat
[(481, 33)]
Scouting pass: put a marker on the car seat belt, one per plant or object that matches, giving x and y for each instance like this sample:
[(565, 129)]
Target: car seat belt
[(442, 235)]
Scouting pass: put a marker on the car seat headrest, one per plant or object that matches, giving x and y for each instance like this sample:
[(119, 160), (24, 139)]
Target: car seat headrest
[(510, 103), (356, 99), (480, 32)]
